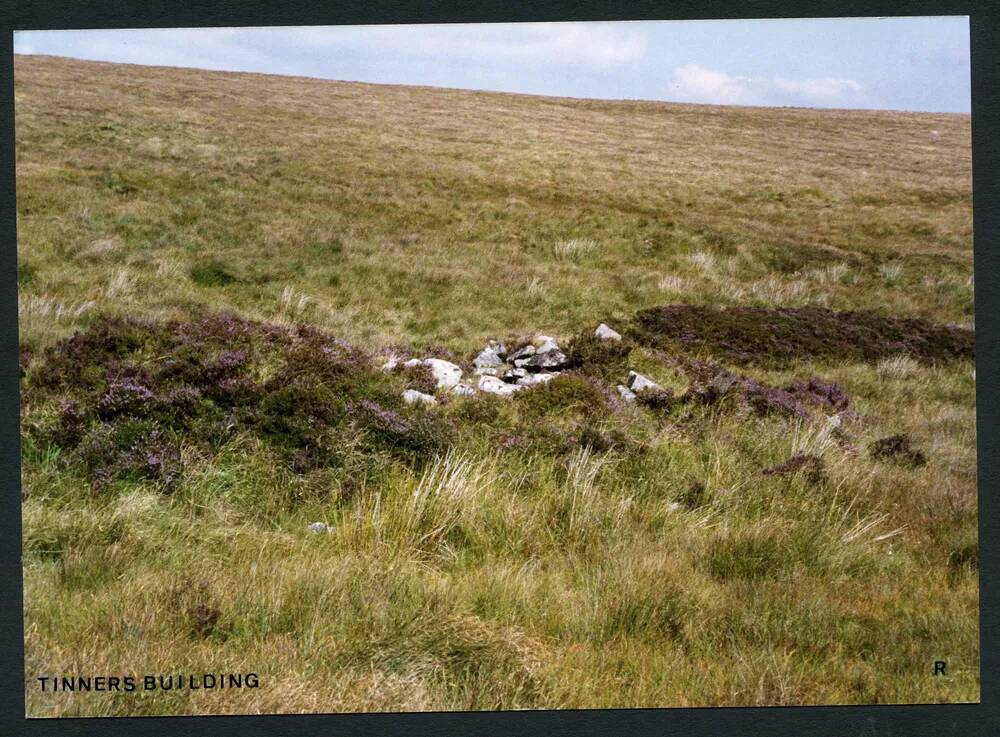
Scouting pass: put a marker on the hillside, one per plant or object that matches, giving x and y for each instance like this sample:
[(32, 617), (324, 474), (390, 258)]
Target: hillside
[(415, 214), (223, 276)]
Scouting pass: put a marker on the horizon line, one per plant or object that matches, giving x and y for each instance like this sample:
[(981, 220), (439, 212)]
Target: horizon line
[(640, 100)]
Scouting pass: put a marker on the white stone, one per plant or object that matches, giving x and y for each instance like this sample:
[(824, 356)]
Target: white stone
[(512, 375), (493, 385), (605, 333), (487, 358), (545, 360), (391, 363), (627, 394), (487, 371), (463, 390), (637, 382), (535, 379), (318, 528), (411, 396), (519, 355), (447, 373), (674, 507), (547, 346)]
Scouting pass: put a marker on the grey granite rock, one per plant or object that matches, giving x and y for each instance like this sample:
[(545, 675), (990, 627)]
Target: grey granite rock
[(410, 396), (605, 333), (637, 382)]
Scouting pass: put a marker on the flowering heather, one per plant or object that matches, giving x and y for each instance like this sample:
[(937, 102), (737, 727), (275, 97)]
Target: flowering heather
[(70, 424), (779, 336), (768, 399), (130, 392), (825, 394), (711, 383), (226, 365), (122, 397), (376, 416)]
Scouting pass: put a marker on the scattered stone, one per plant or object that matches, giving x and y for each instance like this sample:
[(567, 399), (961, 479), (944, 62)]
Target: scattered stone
[(605, 333), (627, 394), (637, 382), (550, 359), (445, 373), (410, 396), (512, 375), (318, 528), (489, 357), (548, 345), (535, 379), (391, 363), (463, 390), (521, 354), (493, 385), (674, 507), (486, 371)]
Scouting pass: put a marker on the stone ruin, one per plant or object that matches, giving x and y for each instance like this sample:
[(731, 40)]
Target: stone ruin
[(496, 370)]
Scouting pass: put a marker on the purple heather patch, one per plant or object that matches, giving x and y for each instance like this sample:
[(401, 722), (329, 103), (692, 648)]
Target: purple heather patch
[(381, 418)]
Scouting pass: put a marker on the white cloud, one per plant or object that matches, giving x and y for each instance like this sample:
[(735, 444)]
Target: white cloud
[(818, 89), (527, 55), (695, 83), (552, 43)]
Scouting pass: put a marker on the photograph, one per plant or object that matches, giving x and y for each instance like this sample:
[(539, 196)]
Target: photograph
[(496, 366)]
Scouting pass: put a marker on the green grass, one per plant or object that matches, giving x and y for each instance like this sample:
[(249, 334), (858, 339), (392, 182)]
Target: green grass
[(557, 550)]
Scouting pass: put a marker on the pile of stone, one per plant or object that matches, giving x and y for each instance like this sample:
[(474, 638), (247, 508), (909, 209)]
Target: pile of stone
[(504, 372), (496, 370)]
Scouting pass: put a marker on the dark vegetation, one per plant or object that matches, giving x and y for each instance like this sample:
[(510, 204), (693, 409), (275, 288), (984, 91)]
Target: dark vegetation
[(123, 398), (712, 384), (898, 448), (128, 393), (607, 359), (810, 466), (776, 337)]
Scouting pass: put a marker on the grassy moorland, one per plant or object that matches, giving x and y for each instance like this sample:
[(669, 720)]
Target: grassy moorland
[(235, 254)]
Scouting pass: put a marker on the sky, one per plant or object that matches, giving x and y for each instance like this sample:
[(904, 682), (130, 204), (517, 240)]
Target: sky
[(919, 63)]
